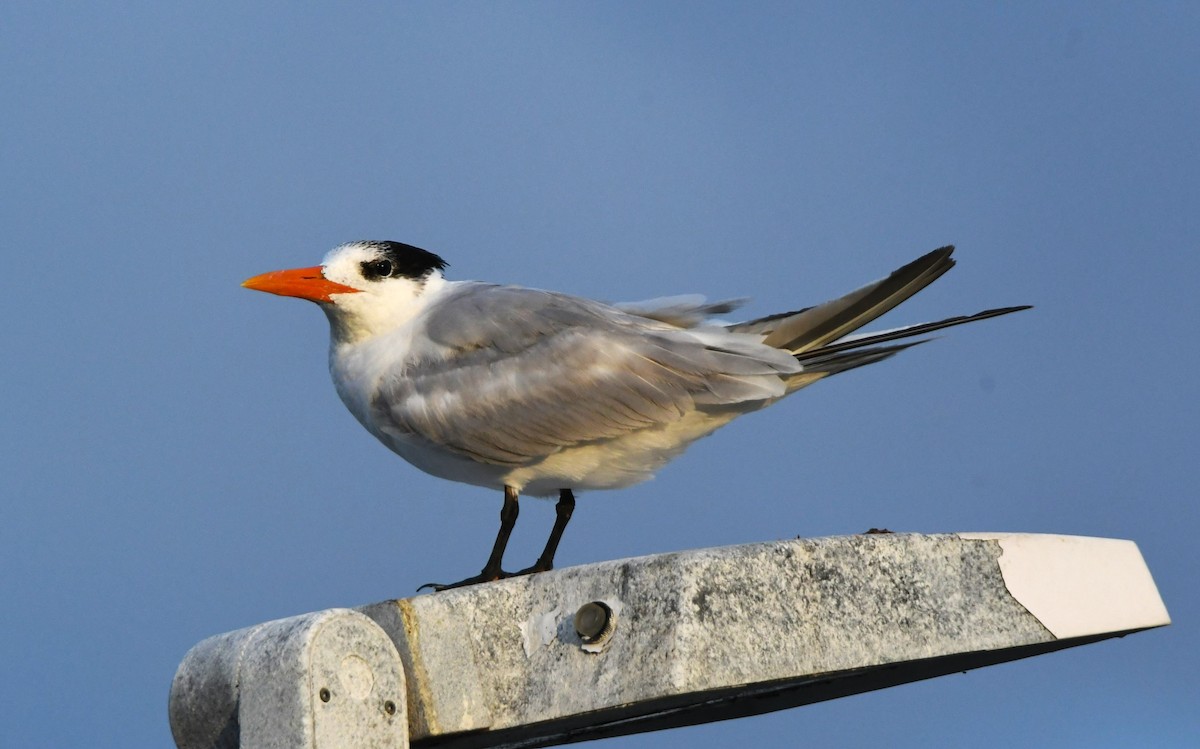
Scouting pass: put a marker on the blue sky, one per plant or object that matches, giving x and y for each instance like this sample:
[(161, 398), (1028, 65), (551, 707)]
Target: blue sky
[(175, 463)]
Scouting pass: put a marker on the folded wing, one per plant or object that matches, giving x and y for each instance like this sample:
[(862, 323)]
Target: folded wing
[(526, 373)]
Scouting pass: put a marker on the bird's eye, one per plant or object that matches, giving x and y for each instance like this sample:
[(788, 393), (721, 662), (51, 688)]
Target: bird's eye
[(377, 269)]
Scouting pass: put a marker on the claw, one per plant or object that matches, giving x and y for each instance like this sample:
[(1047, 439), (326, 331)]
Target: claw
[(482, 577)]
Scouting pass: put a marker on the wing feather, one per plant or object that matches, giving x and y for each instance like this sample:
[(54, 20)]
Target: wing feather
[(814, 327), (526, 373)]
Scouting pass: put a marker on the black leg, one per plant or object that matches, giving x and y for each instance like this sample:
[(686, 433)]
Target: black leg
[(491, 570), (562, 516), (508, 520)]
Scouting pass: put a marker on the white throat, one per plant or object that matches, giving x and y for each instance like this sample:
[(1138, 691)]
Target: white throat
[(354, 318)]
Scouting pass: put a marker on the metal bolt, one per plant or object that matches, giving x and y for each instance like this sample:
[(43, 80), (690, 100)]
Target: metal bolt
[(389, 707), (324, 694), (594, 621)]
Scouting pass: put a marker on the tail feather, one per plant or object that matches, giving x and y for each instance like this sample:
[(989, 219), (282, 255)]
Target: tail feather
[(853, 343), (811, 328), (841, 361), (858, 351), (820, 337), (819, 365)]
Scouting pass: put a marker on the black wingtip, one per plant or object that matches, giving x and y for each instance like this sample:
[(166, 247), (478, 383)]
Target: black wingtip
[(999, 311), (914, 330), (941, 254)]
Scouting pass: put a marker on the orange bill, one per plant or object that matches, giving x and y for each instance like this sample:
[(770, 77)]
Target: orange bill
[(304, 283)]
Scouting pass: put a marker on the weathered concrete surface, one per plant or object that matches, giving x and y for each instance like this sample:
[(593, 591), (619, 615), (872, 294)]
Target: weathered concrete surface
[(718, 633), (327, 679), (672, 640)]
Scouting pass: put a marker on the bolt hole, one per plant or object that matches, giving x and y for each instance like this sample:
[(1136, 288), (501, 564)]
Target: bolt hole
[(389, 707), (325, 695)]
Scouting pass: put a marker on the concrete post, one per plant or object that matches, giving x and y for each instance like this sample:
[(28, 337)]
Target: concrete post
[(327, 679), (675, 639)]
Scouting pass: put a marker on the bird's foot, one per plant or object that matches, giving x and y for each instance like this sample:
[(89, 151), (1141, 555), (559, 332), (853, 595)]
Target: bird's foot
[(488, 576), (540, 565), (482, 577)]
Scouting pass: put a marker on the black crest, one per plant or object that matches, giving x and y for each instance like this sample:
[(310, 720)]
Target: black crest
[(399, 259)]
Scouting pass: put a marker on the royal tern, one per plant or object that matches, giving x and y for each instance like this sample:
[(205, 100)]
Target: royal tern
[(542, 393)]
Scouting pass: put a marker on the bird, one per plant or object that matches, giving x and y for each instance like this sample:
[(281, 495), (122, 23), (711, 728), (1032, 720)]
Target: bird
[(544, 394)]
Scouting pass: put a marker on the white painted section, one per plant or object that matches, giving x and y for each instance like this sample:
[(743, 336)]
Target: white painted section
[(540, 630), (1078, 586)]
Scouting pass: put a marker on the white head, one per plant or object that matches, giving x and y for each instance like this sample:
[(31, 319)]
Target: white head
[(366, 288)]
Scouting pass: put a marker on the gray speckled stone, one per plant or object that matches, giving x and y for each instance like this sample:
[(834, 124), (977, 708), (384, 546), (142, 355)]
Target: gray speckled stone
[(704, 635), (693, 637)]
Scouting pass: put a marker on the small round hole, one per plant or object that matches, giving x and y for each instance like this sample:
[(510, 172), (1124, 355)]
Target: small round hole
[(325, 695), (389, 707)]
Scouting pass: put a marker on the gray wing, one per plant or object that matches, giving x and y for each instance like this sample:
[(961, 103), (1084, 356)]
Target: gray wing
[(808, 329), (684, 311), (532, 372), (819, 335)]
